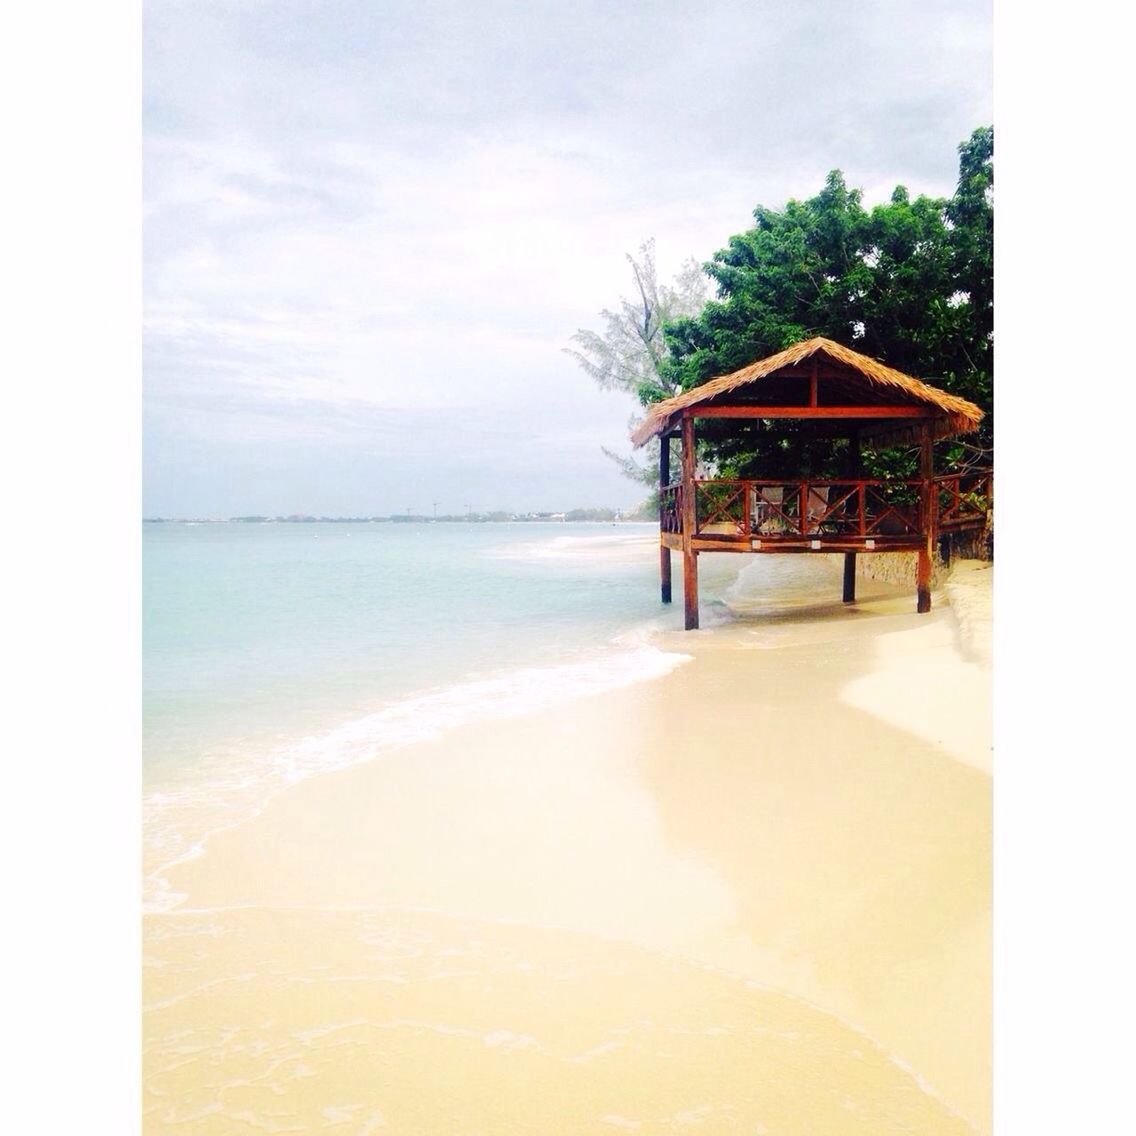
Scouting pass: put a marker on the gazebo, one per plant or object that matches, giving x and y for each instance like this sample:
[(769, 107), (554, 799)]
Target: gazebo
[(833, 392)]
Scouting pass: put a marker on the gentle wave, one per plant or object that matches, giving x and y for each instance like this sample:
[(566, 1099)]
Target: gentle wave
[(771, 583), (177, 822), (619, 548), (512, 695)]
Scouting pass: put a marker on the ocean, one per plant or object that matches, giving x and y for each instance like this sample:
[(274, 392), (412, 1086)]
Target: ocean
[(277, 651)]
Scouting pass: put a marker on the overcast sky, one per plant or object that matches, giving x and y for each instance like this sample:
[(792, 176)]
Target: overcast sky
[(372, 226)]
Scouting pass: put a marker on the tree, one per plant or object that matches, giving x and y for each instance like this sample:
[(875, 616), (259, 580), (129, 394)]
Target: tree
[(630, 354), (970, 213), (909, 283)]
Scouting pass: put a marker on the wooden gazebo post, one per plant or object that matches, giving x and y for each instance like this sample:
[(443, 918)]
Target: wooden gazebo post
[(664, 481), (689, 524), (927, 511), (849, 595)]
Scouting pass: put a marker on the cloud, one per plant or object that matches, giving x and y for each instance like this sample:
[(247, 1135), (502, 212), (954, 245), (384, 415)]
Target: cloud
[(357, 210)]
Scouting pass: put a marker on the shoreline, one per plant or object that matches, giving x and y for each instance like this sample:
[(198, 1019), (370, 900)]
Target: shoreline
[(769, 810)]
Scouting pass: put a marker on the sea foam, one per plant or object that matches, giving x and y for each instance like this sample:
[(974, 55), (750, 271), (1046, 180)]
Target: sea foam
[(511, 695), (177, 822), (620, 549)]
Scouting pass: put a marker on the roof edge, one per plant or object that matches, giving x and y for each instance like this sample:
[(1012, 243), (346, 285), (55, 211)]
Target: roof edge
[(958, 416)]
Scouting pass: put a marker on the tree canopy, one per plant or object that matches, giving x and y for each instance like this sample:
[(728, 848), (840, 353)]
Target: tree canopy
[(909, 283)]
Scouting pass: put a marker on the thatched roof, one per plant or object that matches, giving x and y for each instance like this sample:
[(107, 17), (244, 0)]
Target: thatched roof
[(877, 385)]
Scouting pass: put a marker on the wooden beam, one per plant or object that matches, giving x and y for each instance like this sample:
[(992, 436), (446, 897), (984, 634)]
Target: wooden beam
[(862, 546), (689, 525), (813, 383), (750, 411)]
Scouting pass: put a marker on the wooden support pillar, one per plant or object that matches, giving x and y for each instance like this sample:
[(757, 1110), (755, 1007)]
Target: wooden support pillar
[(850, 557), (689, 525), (923, 568), (664, 552), (923, 582), (690, 589)]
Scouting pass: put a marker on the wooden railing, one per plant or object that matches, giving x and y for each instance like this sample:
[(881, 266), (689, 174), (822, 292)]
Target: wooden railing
[(860, 508), (779, 509), (670, 509), (964, 500)]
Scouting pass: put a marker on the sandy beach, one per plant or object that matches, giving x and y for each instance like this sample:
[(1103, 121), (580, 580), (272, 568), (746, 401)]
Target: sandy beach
[(752, 895)]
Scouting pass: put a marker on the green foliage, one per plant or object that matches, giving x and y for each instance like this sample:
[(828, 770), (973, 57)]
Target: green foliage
[(909, 283)]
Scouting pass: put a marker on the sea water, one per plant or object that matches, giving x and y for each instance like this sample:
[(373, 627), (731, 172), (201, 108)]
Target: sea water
[(278, 651)]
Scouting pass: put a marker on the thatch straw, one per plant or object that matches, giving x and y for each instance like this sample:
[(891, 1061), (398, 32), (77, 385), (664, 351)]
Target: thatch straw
[(957, 415)]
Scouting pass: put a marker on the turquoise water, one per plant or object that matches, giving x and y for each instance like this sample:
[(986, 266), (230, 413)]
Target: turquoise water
[(250, 627), (277, 651)]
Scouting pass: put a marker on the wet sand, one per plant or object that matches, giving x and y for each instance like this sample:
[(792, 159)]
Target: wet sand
[(750, 896)]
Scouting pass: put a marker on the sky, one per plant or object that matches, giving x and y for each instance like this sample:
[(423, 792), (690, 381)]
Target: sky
[(370, 229)]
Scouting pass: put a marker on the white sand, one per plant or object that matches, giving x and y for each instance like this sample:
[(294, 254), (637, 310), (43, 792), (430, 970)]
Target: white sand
[(580, 921)]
